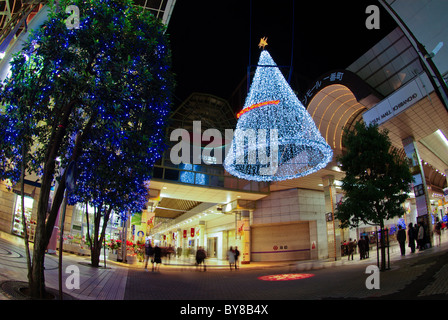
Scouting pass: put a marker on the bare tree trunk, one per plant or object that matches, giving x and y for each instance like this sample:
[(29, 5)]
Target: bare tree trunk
[(94, 252), (383, 247), (99, 237), (44, 226), (22, 193), (88, 238)]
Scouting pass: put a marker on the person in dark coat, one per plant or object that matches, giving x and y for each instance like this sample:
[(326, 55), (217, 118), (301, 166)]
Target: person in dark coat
[(200, 258), (401, 237), (366, 246), (157, 258), (362, 248), (421, 236), (351, 248), (149, 252), (237, 257), (438, 231), (411, 237)]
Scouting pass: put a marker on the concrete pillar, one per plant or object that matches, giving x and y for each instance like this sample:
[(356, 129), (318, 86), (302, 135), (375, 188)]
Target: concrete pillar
[(201, 239), (245, 237), (178, 240), (420, 188), (333, 225)]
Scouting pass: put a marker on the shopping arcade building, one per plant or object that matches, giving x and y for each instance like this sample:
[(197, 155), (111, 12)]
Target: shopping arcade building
[(337, 100), (204, 206)]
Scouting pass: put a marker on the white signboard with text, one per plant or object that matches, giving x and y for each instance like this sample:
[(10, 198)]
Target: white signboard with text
[(399, 101)]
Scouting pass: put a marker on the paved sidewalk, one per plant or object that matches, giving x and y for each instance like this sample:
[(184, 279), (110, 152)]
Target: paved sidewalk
[(110, 283)]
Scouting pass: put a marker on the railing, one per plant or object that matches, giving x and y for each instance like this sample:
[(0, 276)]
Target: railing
[(200, 178), (18, 19)]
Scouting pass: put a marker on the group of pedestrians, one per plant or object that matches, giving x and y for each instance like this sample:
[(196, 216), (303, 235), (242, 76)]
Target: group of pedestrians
[(233, 258), (418, 237), (363, 248), (154, 254)]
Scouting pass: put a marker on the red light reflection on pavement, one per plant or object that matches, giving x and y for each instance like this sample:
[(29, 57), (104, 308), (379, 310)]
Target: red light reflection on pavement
[(286, 277)]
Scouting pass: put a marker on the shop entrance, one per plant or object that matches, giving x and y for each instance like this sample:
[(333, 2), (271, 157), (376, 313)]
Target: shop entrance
[(281, 242), (212, 247)]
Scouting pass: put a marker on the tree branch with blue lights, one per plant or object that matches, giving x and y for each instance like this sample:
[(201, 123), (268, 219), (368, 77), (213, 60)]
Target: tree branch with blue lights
[(99, 95)]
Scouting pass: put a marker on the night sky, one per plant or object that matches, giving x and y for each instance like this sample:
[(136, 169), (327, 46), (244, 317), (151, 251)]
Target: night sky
[(213, 42)]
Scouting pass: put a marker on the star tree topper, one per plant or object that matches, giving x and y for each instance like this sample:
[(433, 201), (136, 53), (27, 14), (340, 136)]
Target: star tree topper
[(263, 43)]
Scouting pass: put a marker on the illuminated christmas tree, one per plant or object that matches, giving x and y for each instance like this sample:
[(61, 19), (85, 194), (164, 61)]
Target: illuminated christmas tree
[(275, 137)]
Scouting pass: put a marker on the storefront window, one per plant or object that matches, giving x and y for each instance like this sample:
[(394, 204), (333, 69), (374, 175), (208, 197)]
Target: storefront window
[(17, 227), (79, 224)]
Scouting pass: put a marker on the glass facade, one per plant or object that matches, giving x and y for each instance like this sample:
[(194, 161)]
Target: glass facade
[(214, 113), (388, 65), (159, 8)]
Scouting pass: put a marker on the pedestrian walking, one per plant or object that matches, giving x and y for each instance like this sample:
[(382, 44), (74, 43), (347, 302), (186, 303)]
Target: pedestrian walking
[(411, 237), (231, 257), (351, 248), (421, 237), (438, 231), (149, 252), (366, 246), (200, 258), (401, 238), (345, 248), (169, 252), (157, 258), (237, 256), (362, 248)]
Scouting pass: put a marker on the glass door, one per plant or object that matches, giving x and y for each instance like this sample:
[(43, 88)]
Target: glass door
[(212, 247)]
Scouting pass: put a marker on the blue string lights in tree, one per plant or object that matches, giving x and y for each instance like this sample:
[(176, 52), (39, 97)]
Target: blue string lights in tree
[(275, 138), (108, 83)]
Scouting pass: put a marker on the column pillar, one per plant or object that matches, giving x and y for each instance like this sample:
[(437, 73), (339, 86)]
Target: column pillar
[(245, 236), (179, 236), (420, 188), (333, 225), (201, 239), (445, 196)]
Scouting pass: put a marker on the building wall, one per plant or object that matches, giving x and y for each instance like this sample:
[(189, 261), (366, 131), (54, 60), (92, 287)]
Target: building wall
[(312, 208), (278, 207), (305, 209), (7, 200), (281, 242), (219, 228)]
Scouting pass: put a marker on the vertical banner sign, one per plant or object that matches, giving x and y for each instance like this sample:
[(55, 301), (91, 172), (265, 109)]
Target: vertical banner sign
[(192, 232), (333, 230), (185, 234), (419, 184), (151, 216), (240, 228)]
